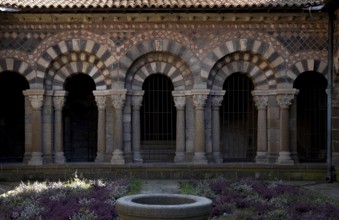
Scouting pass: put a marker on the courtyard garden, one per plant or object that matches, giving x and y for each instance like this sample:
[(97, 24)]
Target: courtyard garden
[(82, 199)]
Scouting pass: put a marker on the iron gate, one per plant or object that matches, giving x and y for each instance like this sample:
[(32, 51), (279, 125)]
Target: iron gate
[(80, 119), (158, 120), (238, 115), (311, 117), (12, 117)]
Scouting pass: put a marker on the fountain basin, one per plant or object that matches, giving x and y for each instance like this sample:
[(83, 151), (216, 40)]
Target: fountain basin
[(163, 206)]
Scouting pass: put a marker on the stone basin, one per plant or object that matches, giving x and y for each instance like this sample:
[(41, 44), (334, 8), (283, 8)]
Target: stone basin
[(163, 206)]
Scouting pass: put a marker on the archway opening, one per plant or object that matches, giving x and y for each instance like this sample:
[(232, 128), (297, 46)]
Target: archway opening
[(158, 120), (311, 117), (80, 119), (238, 115), (12, 116)]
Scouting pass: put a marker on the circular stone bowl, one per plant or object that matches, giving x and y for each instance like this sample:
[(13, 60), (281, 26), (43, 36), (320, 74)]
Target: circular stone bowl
[(163, 206)]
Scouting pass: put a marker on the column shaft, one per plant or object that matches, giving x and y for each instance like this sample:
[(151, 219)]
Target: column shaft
[(180, 136), (136, 134), (101, 142), (216, 134)]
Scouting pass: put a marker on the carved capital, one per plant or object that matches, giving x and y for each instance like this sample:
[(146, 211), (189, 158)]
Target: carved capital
[(199, 100), (36, 101), (118, 100), (261, 101), (284, 100), (180, 102), (137, 98), (101, 101), (58, 102), (285, 96), (36, 97), (59, 99), (217, 100)]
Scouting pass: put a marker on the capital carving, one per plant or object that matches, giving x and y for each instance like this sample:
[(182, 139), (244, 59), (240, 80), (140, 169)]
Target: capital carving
[(101, 101), (180, 102), (58, 102), (199, 100), (36, 101), (118, 100), (217, 100), (284, 100), (261, 101)]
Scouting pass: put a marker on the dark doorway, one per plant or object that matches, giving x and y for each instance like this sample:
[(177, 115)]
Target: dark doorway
[(238, 120), (311, 117), (12, 116), (80, 119), (158, 120)]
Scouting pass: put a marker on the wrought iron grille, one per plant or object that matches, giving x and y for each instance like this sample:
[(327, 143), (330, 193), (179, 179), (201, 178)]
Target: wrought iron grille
[(238, 120), (80, 119), (311, 117), (12, 117), (158, 120)]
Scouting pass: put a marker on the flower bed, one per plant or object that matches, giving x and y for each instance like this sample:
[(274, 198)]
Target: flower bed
[(75, 199), (251, 199)]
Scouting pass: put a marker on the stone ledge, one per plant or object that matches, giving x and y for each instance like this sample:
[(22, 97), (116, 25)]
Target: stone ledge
[(301, 172)]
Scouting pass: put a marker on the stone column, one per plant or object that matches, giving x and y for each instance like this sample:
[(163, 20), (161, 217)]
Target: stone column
[(36, 98), (47, 112), (28, 130), (335, 126), (199, 101), (261, 101), (100, 98), (118, 101), (180, 102), (284, 98), (217, 98), (58, 102), (136, 104)]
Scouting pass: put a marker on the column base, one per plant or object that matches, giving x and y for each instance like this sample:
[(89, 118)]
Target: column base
[(118, 157), (36, 158), (137, 157), (285, 158), (179, 157), (217, 157), (200, 158), (48, 159), (100, 158), (27, 157), (335, 158), (59, 158), (261, 157), (272, 158)]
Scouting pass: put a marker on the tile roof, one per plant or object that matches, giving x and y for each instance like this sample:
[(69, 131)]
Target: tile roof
[(127, 4)]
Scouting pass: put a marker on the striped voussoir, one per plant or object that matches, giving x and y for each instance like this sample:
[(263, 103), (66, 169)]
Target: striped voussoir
[(164, 63), (166, 46), (77, 62), (18, 66), (81, 46), (265, 50), (253, 65), (309, 65)]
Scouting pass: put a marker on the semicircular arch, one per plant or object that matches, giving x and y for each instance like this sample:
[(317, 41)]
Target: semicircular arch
[(164, 63), (21, 67)]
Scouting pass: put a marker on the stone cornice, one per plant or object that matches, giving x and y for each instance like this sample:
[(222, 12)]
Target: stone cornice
[(178, 18)]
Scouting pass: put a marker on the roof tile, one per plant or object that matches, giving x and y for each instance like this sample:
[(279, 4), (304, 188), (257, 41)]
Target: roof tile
[(123, 4)]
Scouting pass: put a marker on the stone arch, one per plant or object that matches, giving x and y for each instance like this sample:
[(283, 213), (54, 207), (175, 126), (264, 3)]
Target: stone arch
[(157, 46), (19, 66), (71, 45), (257, 68), (159, 62), (309, 65), (73, 62), (265, 50)]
